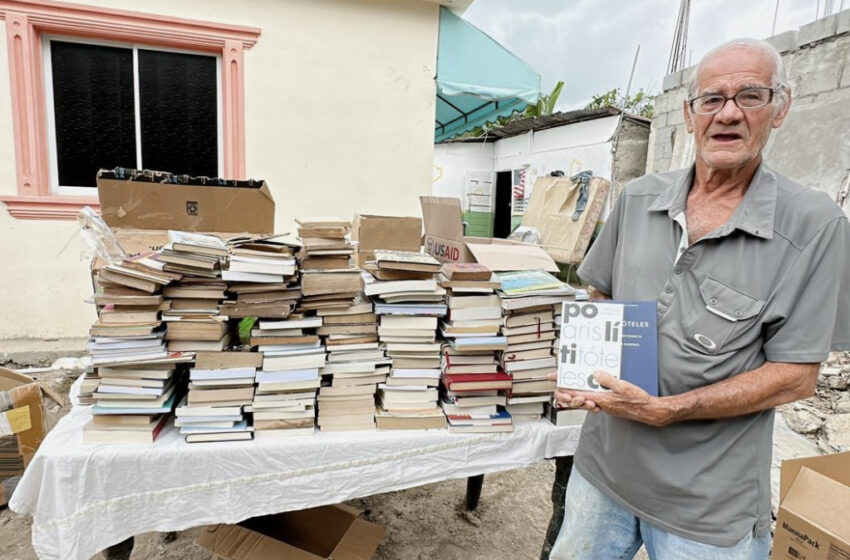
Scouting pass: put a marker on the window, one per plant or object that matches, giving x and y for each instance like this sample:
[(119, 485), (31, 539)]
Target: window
[(132, 106), (126, 65)]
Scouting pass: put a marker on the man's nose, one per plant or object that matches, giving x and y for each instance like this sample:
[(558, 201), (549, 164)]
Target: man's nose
[(729, 113)]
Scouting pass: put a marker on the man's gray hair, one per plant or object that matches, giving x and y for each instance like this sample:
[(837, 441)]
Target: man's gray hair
[(778, 80)]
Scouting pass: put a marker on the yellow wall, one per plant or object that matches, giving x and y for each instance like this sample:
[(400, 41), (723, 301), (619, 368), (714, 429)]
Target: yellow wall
[(339, 119)]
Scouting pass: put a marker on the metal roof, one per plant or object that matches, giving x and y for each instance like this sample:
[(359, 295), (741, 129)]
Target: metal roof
[(522, 126)]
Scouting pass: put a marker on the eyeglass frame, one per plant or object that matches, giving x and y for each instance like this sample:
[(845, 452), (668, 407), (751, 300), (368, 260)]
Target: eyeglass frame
[(773, 91)]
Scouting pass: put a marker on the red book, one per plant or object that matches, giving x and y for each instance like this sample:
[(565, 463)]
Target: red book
[(466, 272), (459, 383)]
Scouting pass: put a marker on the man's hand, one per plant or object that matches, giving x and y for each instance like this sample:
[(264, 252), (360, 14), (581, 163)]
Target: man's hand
[(624, 400)]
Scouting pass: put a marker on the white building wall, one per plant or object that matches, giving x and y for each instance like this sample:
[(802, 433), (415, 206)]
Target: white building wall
[(454, 162), (339, 119)]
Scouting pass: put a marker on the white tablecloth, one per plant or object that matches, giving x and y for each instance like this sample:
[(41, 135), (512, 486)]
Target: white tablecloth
[(84, 499)]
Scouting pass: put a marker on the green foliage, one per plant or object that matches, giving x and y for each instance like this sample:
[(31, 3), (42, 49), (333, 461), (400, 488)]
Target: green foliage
[(245, 326), (641, 103), (546, 103)]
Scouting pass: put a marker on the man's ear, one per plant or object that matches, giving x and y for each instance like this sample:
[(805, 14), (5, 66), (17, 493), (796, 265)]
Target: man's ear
[(780, 116), (688, 122)]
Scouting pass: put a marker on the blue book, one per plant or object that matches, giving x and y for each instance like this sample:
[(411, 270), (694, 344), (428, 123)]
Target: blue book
[(640, 345)]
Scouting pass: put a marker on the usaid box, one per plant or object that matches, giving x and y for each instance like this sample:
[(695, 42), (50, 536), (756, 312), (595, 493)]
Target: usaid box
[(327, 532), (814, 509), (444, 240)]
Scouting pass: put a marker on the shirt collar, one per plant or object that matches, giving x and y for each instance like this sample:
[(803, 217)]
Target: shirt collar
[(754, 215)]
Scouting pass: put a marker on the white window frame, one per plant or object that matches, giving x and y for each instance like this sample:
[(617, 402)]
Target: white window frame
[(55, 187)]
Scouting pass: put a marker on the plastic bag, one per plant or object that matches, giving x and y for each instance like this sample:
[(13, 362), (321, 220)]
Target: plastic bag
[(98, 237)]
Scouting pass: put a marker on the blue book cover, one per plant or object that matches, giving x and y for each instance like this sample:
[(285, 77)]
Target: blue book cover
[(640, 345)]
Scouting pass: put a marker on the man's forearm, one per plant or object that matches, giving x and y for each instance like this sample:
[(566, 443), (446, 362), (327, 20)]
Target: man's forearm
[(763, 388)]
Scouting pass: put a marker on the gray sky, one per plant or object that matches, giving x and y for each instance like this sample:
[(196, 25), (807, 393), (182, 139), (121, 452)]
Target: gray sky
[(590, 44)]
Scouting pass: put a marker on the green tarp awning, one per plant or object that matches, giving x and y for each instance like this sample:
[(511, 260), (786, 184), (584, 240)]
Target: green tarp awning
[(478, 79)]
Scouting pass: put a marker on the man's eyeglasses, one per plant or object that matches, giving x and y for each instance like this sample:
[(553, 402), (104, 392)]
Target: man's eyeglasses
[(746, 99)]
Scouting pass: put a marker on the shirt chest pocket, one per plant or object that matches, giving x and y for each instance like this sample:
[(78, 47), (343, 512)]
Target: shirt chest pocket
[(723, 315)]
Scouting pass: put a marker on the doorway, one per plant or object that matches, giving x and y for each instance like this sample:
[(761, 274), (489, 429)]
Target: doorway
[(502, 207)]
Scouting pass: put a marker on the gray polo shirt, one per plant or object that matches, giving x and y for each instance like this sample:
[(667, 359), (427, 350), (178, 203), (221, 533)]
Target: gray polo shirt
[(773, 283)]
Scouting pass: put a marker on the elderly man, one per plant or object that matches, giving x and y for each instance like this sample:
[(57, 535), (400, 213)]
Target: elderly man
[(750, 271)]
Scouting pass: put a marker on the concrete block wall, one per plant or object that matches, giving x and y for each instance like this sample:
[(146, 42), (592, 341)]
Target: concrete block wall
[(813, 145)]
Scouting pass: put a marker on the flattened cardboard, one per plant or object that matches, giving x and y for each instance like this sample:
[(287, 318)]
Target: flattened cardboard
[(814, 511), (551, 208), (326, 532), (444, 240), (385, 232), (158, 206)]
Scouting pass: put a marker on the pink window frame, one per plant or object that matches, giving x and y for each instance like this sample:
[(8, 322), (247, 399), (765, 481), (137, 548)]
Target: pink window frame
[(27, 20)]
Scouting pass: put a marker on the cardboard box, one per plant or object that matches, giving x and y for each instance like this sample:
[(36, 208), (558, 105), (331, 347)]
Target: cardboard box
[(140, 213), (22, 419), (327, 532), (159, 206), (385, 232), (444, 240), (814, 509)]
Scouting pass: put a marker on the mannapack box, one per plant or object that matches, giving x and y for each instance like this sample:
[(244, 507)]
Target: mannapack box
[(814, 509), (140, 213), (444, 240), (323, 533)]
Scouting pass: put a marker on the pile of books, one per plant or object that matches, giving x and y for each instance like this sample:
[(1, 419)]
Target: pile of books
[(194, 319), (473, 390), (285, 400), (529, 301), (408, 301), (262, 278), (355, 366), (135, 381), (327, 280), (221, 384)]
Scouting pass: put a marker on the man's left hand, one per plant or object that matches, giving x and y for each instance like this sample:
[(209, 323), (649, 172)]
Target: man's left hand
[(624, 400)]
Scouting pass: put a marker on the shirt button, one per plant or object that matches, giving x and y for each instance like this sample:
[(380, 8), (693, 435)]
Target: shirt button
[(668, 290), (738, 314), (689, 254), (678, 270), (713, 301)]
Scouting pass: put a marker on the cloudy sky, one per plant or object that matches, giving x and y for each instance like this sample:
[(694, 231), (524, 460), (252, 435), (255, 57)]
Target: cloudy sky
[(590, 44)]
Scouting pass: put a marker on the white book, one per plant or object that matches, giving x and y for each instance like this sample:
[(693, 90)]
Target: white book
[(284, 376), (397, 286), (308, 323), (256, 277), (232, 373), (406, 322), (416, 373), (592, 339)]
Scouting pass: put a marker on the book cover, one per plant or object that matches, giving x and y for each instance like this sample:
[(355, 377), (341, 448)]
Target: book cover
[(591, 339), (640, 345), (527, 281)]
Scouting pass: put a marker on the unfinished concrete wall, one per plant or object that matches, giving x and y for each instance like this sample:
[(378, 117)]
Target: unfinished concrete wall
[(629, 161), (813, 145)]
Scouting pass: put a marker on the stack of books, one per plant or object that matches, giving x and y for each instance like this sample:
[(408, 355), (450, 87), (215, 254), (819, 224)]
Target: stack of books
[(285, 399), (262, 278), (356, 365), (220, 385), (473, 385), (327, 279), (194, 321), (529, 301), (135, 399), (135, 381), (409, 302)]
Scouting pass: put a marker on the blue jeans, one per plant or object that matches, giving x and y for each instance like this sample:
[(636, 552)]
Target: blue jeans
[(597, 528)]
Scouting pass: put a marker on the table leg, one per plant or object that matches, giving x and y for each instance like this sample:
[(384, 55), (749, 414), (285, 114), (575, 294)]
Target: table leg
[(120, 551), (563, 468), (473, 491)]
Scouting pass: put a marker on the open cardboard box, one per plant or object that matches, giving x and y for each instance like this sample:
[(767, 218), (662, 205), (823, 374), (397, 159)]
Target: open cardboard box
[(444, 240), (326, 532), (814, 509), (385, 232), (140, 213), (22, 416)]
